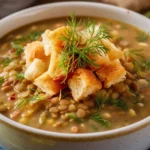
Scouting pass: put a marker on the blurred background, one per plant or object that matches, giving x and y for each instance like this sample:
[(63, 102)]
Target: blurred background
[(9, 6)]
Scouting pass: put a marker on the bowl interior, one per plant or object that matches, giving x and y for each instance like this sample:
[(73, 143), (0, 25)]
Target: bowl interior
[(81, 9), (66, 8)]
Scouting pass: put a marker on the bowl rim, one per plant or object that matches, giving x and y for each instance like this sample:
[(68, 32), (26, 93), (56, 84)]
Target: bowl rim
[(81, 136)]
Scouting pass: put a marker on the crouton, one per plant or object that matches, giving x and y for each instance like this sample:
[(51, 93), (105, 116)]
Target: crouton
[(114, 52), (83, 83), (47, 84), (52, 40), (100, 61), (112, 73), (34, 50), (54, 70), (36, 68)]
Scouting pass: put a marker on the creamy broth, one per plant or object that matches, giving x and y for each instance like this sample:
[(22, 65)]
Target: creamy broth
[(40, 114)]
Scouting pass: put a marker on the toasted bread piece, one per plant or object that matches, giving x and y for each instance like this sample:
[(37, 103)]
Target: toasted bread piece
[(51, 40), (47, 84), (47, 42), (54, 70), (100, 61), (36, 68), (35, 50), (112, 73), (114, 52), (83, 83)]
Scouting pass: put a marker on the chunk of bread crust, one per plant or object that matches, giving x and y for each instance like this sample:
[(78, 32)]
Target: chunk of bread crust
[(100, 61), (52, 41), (112, 73), (47, 84), (114, 52), (36, 68), (83, 83), (54, 70), (35, 50)]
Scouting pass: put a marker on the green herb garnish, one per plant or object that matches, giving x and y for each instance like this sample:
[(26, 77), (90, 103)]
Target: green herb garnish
[(32, 99), (22, 102), (1, 80), (142, 36), (74, 117), (75, 55), (95, 128), (99, 119), (5, 61), (19, 49), (146, 65), (138, 60), (20, 76), (102, 100), (18, 44), (34, 35), (118, 103)]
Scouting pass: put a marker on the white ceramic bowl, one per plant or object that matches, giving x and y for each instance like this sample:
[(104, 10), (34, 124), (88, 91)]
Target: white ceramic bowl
[(15, 135)]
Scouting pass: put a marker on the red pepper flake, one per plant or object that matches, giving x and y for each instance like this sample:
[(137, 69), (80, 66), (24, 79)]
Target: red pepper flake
[(12, 50), (11, 98), (15, 82), (6, 83)]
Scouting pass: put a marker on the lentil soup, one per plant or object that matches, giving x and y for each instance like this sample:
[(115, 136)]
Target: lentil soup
[(106, 85)]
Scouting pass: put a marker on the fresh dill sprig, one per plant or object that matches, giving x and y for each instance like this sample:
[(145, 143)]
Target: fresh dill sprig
[(18, 44), (33, 99), (99, 119), (5, 61), (142, 36), (1, 80), (74, 117), (34, 35), (74, 55), (19, 49), (146, 65), (139, 62), (119, 103), (102, 100), (20, 76), (95, 128)]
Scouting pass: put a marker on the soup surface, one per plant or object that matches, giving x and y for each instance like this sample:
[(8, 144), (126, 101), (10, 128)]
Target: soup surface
[(83, 97)]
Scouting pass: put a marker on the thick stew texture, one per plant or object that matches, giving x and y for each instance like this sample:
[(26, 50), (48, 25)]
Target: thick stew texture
[(75, 75)]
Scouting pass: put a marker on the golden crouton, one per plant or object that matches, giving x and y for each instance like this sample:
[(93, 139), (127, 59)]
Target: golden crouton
[(100, 61), (47, 84), (54, 70), (47, 42), (112, 73), (34, 50), (52, 41), (113, 53), (83, 83), (36, 68)]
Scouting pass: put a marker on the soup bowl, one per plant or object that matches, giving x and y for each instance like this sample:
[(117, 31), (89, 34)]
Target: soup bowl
[(17, 136)]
